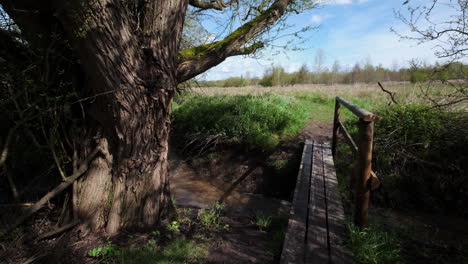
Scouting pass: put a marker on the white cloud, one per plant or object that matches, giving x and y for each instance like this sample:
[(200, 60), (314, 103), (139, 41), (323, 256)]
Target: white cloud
[(236, 66), (316, 19), (381, 46), (341, 2)]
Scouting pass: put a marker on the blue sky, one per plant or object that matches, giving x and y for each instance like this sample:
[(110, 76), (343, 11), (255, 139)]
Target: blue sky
[(349, 31)]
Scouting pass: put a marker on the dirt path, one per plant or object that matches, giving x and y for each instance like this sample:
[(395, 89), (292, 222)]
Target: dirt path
[(318, 130)]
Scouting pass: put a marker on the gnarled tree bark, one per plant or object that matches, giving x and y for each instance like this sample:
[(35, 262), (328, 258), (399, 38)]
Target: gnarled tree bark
[(132, 65)]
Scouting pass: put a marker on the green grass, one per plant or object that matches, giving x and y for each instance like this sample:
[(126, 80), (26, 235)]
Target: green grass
[(253, 121), (210, 218), (321, 107), (179, 250), (263, 220), (374, 245)]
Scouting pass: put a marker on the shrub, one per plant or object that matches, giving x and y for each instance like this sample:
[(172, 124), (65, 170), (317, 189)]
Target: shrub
[(418, 76), (254, 121), (179, 250), (235, 82), (422, 158)]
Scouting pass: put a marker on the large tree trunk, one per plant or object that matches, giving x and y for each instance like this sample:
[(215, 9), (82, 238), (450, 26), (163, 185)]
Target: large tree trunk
[(128, 187), (133, 75), (128, 53)]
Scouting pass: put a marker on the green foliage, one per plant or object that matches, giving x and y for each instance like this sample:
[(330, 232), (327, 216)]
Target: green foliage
[(418, 76), (235, 82), (373, 245), (179, 250), (184, 251), (279, 164), (321, 107), (277, 76), (106, 253), (420, 156), (253, 121), (210, 218), (263, 220), (174, 226)]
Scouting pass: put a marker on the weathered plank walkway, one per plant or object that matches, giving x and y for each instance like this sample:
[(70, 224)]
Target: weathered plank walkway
[(316, 227)]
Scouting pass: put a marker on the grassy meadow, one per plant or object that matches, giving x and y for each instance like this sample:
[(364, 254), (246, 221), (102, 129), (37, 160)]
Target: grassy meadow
[(419, 151), (368, 96)]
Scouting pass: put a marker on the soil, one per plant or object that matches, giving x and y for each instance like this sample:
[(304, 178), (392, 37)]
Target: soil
[(243, 242), (319, 131)]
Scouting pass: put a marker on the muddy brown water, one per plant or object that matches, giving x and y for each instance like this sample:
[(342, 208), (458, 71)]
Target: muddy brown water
[(189, 189)]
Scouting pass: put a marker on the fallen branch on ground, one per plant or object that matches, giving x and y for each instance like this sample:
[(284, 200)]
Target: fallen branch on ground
[(57, 231), (4, 154)]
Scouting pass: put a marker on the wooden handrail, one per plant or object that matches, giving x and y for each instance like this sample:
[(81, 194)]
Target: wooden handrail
[(359, 112), (366, 180)]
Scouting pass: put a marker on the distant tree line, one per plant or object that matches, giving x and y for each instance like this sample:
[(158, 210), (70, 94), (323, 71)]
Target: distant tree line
[(417, 72)]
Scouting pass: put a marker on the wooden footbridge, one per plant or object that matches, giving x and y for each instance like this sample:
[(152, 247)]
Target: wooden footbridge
[(316, 228)]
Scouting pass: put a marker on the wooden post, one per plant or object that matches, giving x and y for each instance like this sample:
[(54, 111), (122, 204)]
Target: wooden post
[(336, 126), (362, 190)]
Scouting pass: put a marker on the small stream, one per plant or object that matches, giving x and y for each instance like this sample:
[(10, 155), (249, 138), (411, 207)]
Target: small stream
[(191, 190)]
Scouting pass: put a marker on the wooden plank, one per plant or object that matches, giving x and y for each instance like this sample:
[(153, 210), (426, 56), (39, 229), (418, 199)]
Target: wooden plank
[(359, 112), (294, 242), (336, 217), (317, 242)]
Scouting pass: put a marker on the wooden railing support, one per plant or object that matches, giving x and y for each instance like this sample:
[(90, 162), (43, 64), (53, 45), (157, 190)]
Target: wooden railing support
[(364, 179), (336, 127), (364, 168)]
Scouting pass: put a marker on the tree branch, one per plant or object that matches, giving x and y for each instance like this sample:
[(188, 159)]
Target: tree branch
[(4, 154), (203, 5), (199, 59), (392, 94), (57, 231)]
